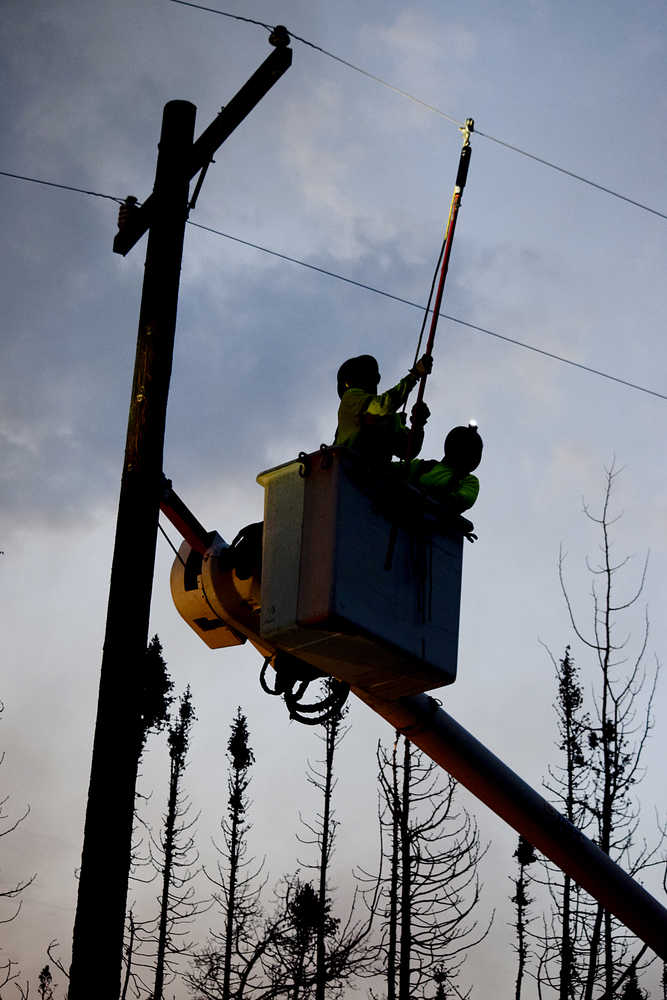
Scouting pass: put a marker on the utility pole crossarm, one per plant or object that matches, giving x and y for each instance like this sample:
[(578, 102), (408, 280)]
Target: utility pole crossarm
[(239, 107), (212, 138)]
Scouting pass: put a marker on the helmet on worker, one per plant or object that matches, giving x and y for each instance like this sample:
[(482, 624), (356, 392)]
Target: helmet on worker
[(358, 373), (463, 448)]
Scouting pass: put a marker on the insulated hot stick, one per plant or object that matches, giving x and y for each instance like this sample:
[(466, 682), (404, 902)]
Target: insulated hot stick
[(461, 177)]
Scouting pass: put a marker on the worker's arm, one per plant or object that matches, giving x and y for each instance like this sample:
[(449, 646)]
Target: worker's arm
[(453, 493), (466, 493), (388, 402), (408, 443), (392, 400)]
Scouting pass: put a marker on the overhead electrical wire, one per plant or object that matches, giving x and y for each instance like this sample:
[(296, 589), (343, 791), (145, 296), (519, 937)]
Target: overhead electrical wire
[(331, 55), (170, 544), (64, 187), (431, 107), (420, 306), (370, 288), (571, 173), (224, 13)]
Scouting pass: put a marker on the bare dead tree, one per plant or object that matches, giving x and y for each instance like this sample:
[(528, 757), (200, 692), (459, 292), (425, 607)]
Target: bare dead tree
[(45, 984), (290, 960), (241, 758), (525, 856), (339, 948), (308, 951), (140, 950), (10, 895), (158, 944), (406, 841), (564, 941), (616, 736), (324, 832), (176, 856), (296, 970), (130, 978), (229, 964), (632, 989), (301, 948), (58, 962), (252, 961), (154, 695), (428, 897), (9, 973), (340, 945), (284, 960), (393, 808)]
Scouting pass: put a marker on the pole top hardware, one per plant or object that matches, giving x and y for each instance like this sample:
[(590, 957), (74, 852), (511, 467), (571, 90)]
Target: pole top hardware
[(279, 36), (466, 130), (198, 185), (126, 210), (203, 150)]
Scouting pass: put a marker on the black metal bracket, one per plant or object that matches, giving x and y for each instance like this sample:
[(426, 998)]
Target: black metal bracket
[(304, 469)]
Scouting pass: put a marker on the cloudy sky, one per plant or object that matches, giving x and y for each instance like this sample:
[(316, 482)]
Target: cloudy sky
[(336, 170)]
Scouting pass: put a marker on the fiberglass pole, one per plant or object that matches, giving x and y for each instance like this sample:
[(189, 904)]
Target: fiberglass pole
[(461, 177)]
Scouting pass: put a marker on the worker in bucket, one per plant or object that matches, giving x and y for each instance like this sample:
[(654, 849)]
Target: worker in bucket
[(370, 424), (450, 481)]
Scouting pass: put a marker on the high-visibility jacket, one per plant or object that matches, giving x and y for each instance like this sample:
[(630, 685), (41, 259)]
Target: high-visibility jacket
[(443, 483), (371, 426)]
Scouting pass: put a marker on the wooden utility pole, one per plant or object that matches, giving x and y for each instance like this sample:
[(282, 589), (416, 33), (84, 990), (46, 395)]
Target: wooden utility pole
[(105, 863)]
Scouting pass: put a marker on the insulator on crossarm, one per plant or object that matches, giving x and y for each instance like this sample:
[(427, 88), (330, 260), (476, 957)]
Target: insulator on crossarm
[(279, 37), (125, 211)]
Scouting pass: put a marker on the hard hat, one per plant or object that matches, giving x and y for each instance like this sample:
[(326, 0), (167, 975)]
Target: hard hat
[(359, 372), (463, 447)]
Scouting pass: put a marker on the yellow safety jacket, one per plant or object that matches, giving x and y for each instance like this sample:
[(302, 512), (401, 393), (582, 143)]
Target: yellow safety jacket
[(371, 426), (440, 481)]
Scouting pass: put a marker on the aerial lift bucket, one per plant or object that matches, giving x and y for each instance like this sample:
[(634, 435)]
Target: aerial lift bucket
[(325, 594)]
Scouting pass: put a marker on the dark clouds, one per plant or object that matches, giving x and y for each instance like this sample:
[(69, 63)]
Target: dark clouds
[(336, 170)]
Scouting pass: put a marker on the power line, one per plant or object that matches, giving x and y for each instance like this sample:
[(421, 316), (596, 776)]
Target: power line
[(234, 17), (64, 187), (433, 108), (372, 76), (420, 306), (571, 173), (331, 55), (369, 288), (170, 544)]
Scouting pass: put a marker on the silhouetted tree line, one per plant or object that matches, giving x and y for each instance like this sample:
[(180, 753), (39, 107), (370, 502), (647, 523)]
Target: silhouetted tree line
[(410, 924), (303, 942), (572, 948), (11, 888)]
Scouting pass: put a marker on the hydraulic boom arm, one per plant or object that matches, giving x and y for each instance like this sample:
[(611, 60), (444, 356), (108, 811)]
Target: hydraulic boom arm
[(447, 743)]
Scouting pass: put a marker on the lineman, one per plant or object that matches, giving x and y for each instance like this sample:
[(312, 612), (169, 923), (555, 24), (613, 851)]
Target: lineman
[(369, 424), (450, 481)]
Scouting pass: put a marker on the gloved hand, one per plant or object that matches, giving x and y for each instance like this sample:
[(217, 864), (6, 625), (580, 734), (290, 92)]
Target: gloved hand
[(424, 366), (419, 414)]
